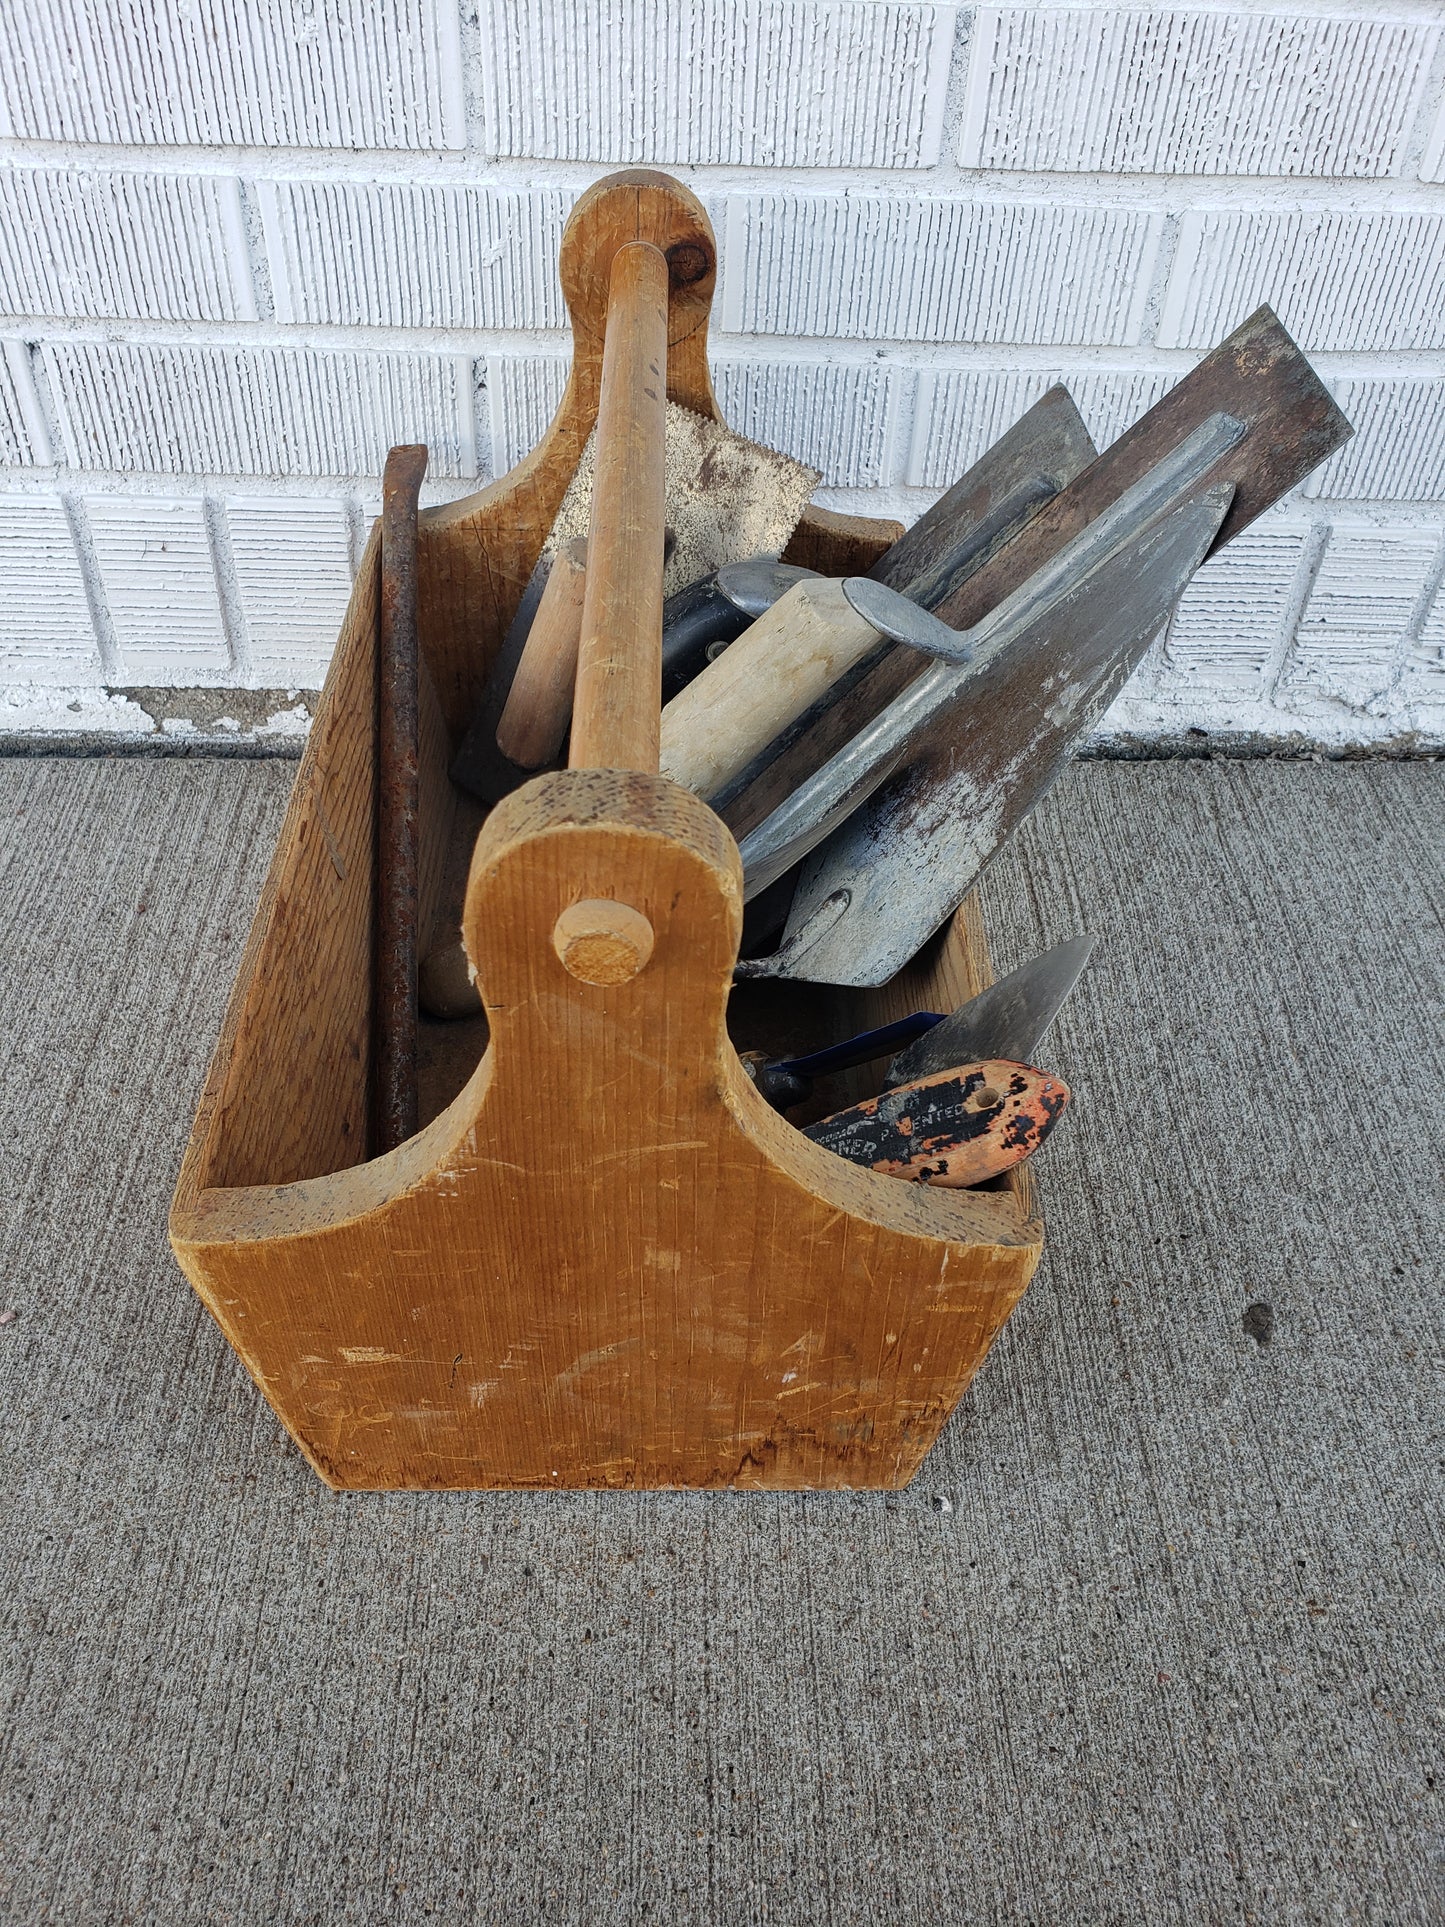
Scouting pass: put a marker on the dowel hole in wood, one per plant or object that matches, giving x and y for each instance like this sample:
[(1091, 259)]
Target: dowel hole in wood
[(687, 262), (602, 942)]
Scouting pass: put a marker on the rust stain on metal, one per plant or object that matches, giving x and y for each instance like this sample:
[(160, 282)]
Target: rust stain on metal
[(394, 1019), (953, 1129)]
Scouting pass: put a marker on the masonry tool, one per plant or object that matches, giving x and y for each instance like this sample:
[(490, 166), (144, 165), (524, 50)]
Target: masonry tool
[(1008, 1020), (785, 1081), (984, 510), (1048, 445), (728, 499), (704, 618), (1106, 594), (1256, 374), (956, 1128), (897, 870), (792, 658), (479, 765), (812, 644), (394, 969)]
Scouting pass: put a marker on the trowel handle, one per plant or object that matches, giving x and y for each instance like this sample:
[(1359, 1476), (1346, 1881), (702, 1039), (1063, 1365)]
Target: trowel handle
[(539, 704), (956, 1128), (785, 1081), (776, 670), (692, 621)]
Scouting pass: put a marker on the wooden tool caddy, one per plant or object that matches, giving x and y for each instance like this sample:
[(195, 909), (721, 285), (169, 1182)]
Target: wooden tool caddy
[(603, 1260)]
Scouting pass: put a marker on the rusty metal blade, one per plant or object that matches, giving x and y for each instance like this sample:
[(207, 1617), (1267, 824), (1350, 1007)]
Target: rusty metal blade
[(896, 864), (1292, 424), (394, 1022), (1010, 1019)]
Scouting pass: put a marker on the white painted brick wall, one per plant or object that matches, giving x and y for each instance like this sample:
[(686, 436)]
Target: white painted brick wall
[(393, 254), (156, 247), (158, 580), (245, 245), (347, 74), (180, 410), (1231, 628), (45, 628), (293, 563), (1367, 282), (732, 83), (915, 267), (1166, 90), (1348, 643)]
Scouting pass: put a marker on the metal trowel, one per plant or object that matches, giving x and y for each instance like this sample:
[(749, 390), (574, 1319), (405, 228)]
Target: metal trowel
[(739, 708), (890, 874), (1101, 599), (1009, 1020)]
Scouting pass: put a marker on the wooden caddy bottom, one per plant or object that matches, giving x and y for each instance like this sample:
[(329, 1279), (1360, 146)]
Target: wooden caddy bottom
[(603, 1260)]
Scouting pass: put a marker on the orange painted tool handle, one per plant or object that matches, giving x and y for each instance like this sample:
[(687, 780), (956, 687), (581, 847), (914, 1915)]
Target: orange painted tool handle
[(955, 1128), (616, 714), (539, 704)]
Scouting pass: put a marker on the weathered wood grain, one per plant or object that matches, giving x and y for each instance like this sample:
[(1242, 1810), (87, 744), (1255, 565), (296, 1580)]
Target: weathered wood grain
[(606, 1261)]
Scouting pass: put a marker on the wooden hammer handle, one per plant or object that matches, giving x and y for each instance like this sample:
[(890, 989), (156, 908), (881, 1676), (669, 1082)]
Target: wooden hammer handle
[(619, 662), (539, 703)]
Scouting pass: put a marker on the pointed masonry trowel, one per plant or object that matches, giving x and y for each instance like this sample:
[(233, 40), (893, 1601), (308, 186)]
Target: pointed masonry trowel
[(1008, 1020)]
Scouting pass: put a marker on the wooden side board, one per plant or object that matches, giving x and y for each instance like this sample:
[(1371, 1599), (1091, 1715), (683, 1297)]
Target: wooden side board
[(606, 1261)]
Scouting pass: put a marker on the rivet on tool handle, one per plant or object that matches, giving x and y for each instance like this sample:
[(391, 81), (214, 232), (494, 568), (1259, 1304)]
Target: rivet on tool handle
[(602, 942)]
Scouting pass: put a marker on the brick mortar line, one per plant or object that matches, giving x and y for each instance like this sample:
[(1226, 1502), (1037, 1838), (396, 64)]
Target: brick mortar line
[(1104, 357), (460, 168), (890, 498)]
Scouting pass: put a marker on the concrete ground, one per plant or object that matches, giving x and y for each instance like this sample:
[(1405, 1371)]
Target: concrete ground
[(1155, 1635)]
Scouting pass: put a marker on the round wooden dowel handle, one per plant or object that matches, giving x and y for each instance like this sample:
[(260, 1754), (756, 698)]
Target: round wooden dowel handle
[(602, 942)]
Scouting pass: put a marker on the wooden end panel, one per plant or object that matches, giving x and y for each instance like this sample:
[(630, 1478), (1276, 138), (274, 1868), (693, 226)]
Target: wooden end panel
[(609, 1263)]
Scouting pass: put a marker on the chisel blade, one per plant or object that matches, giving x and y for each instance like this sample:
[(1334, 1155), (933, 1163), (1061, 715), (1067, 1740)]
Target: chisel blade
[(1009, 1019)]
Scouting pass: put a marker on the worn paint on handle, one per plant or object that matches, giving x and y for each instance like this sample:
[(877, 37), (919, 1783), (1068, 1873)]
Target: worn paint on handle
[(956, 1128)]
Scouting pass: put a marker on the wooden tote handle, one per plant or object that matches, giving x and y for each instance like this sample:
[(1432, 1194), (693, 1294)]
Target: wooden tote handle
[(616, 714)]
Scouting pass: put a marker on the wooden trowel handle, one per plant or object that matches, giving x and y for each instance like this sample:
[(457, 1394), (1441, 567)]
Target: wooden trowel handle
[(773, 674), (539, 703)]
